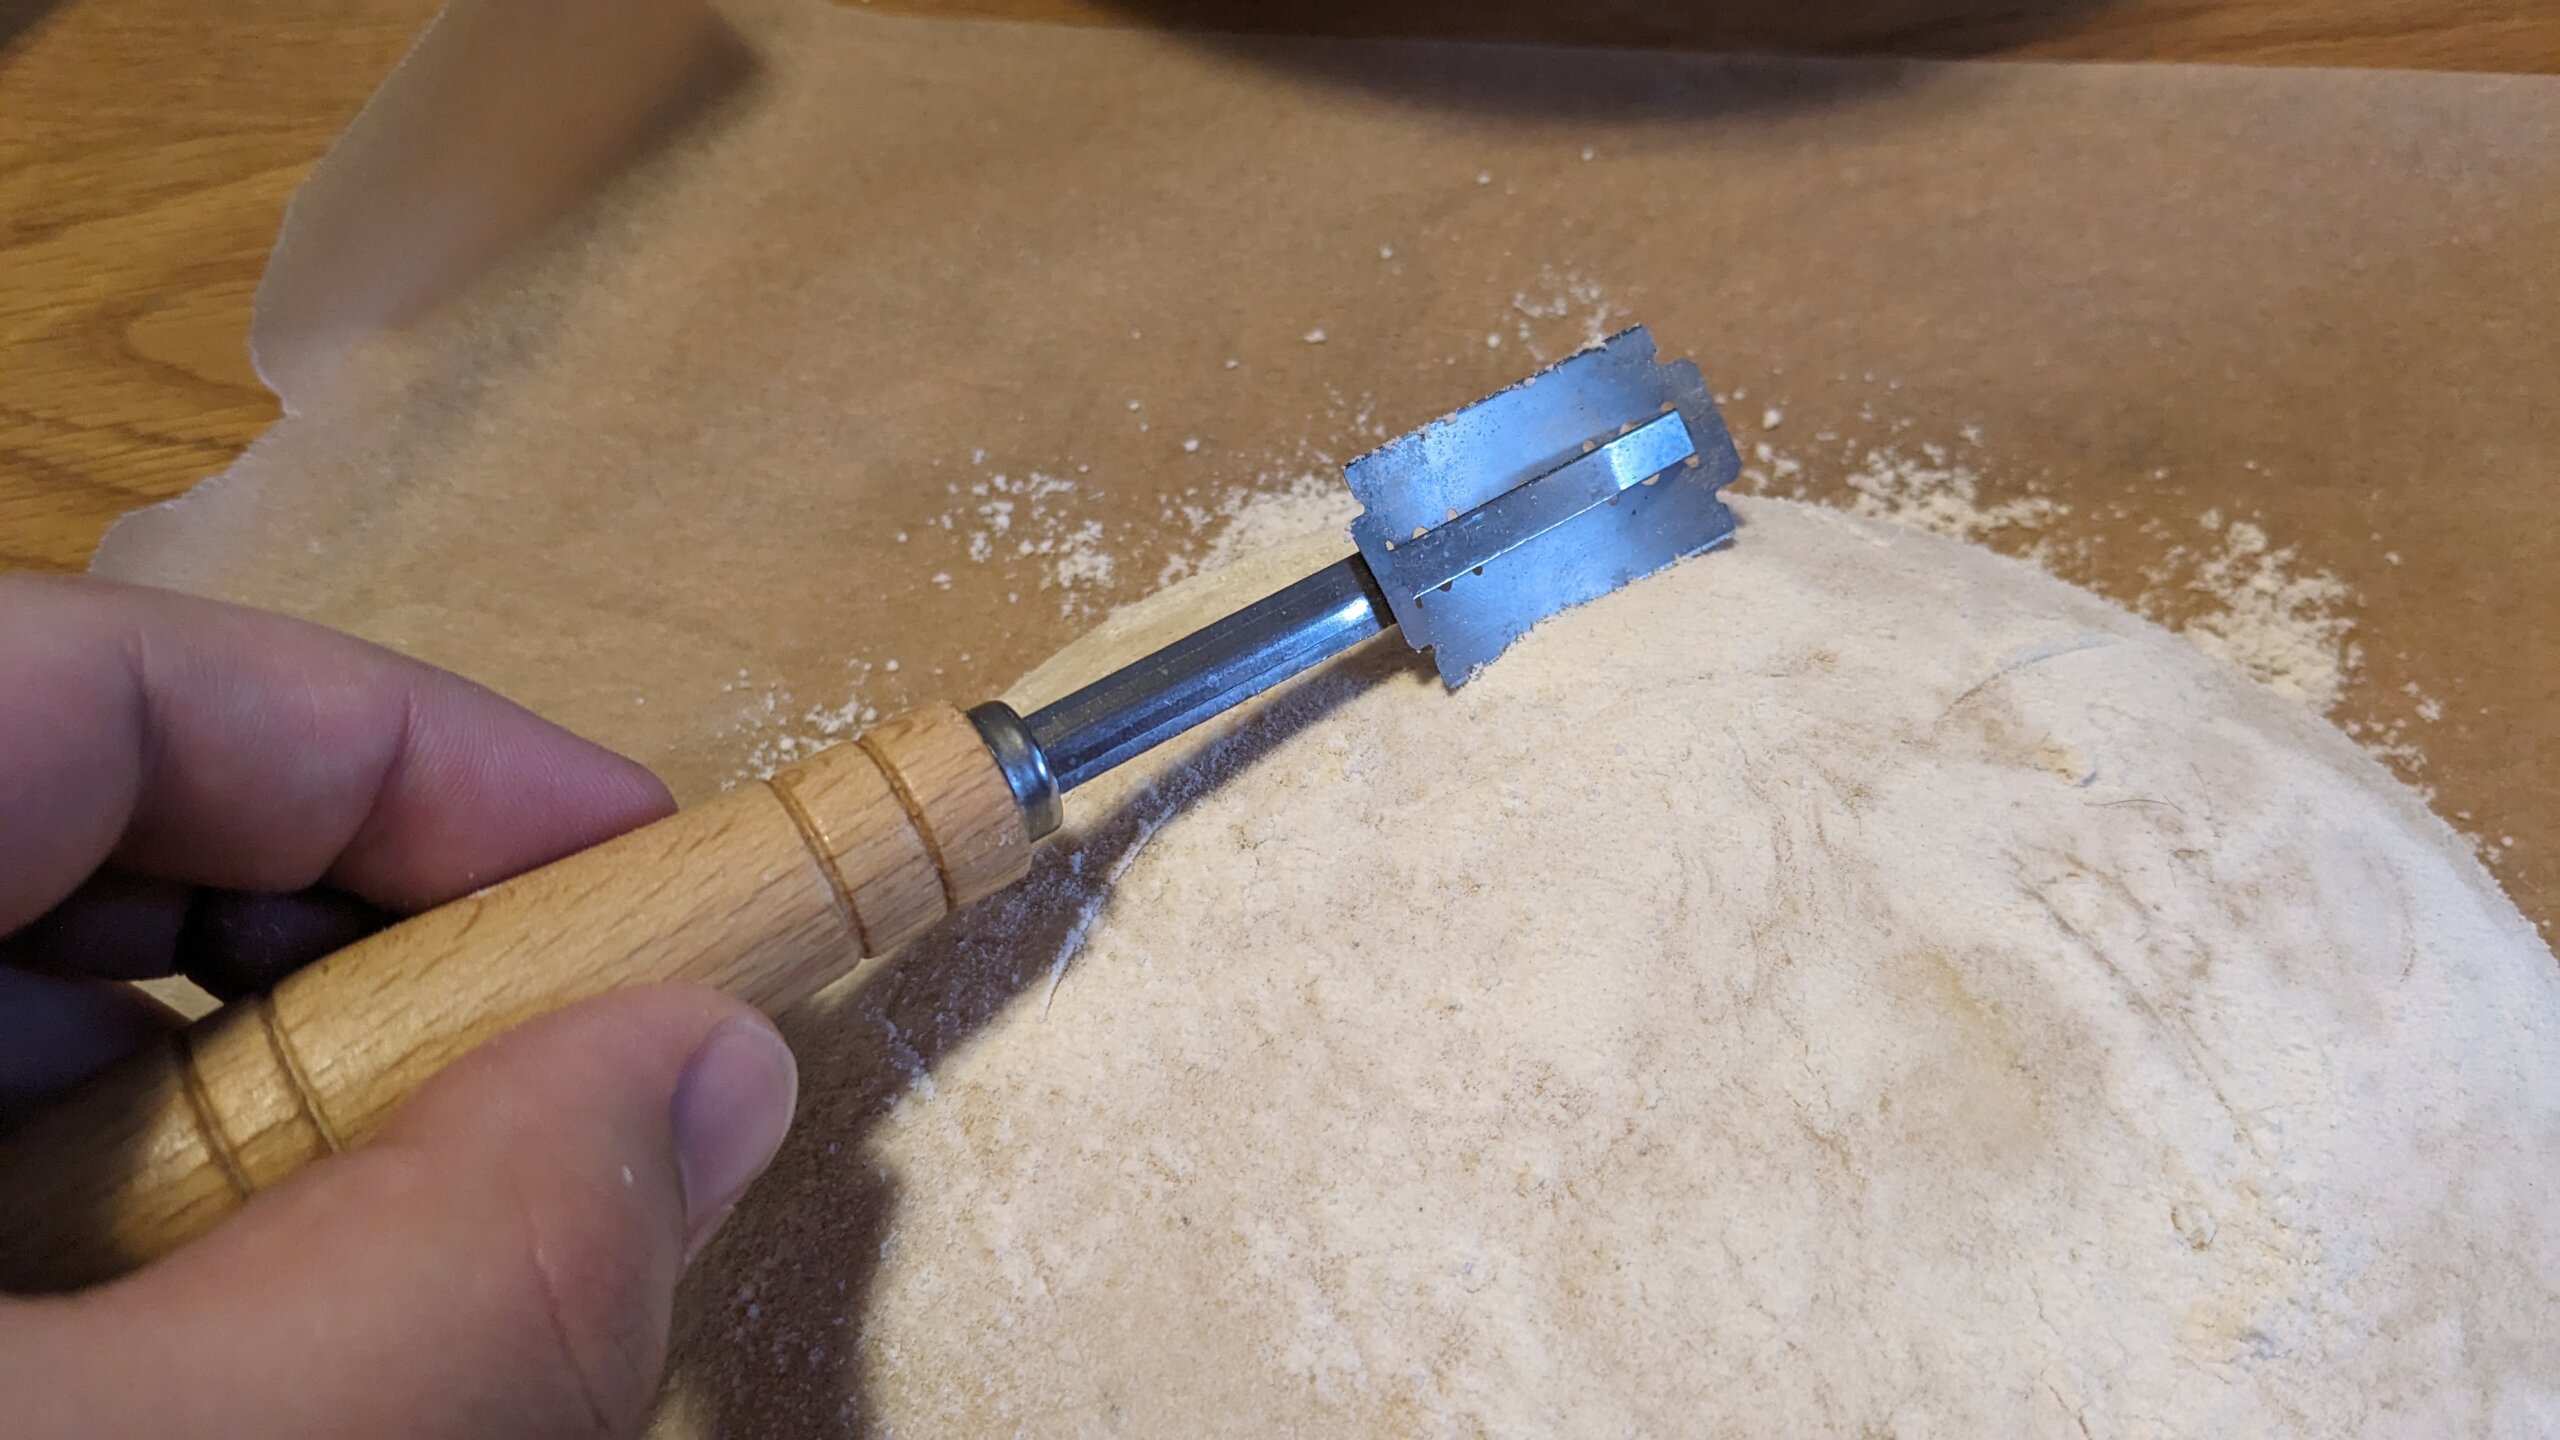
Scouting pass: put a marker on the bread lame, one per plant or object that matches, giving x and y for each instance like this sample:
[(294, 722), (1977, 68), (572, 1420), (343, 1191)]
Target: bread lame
[(1589, 475)]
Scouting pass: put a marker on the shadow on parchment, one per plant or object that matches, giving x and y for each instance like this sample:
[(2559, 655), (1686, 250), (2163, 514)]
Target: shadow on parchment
[(772, 1318), (1285, 34), (18, 17)]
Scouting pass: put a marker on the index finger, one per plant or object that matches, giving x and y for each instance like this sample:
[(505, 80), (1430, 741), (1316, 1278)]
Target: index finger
[(220, 746)]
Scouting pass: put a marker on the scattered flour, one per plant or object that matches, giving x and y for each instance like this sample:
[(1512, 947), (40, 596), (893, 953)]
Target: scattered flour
[(2043, 1000), (2227, 584), (2274, 619), (774, 729), (1032, 519), (2231, 590), (1258, 518), (1036, 518), (1932, 492), (1568, 311)]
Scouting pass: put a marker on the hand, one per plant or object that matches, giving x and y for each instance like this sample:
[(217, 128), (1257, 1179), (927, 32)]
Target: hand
[(190, 786)]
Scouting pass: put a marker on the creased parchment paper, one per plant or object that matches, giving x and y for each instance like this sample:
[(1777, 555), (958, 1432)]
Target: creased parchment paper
[(711, 381)]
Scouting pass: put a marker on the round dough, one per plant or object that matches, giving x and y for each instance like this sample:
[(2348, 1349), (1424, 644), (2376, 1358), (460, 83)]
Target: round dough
[(1848, 984)]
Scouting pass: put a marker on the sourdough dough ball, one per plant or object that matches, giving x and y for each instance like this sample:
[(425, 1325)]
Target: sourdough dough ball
[(1849, 984)]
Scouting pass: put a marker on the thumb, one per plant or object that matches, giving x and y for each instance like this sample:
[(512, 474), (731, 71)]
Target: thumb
[(498, 1262)]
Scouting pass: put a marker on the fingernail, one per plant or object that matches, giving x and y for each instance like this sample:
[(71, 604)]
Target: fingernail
[(732, 1107)]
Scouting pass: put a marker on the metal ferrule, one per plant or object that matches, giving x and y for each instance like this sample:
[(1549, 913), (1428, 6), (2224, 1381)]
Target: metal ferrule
[(1026, 769)]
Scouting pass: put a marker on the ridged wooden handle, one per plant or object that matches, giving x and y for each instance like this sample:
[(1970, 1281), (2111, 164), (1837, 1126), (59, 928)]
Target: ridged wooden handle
[(767, 893)]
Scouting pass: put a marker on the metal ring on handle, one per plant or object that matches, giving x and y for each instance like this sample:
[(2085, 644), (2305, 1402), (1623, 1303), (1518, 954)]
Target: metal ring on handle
[(1026, 769)]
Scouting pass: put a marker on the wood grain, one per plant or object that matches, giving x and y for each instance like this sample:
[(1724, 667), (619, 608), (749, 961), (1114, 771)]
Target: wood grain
[(767, 893), (147, 148), (146, 152)]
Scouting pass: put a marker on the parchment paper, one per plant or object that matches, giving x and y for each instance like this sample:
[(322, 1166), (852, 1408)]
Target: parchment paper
[(841, 362), (621, 340)]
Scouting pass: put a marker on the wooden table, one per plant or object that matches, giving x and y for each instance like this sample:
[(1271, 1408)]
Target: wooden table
[(147, 148)]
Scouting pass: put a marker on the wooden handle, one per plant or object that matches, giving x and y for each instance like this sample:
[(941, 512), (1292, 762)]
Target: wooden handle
[(767, 893)]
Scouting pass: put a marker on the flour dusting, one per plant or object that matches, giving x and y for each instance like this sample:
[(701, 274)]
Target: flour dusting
[(1033, 519), (1076, 1180), (776, 730), (2037, 996), (2227, 587), (1567, 311), (2227, 583), (2273, 617)]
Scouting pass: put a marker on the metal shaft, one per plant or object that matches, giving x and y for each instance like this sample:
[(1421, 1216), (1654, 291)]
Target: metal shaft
[(1135, 709)]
